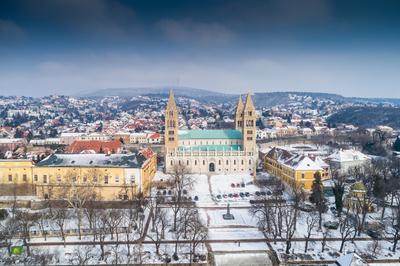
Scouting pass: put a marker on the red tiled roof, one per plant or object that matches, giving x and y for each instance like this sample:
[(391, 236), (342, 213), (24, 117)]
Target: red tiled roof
[(155, 136), (147, 152), (98, 146)]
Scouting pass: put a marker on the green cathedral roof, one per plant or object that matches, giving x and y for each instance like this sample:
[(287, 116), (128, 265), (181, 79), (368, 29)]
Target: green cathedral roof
[(211, 148), (209, 134)]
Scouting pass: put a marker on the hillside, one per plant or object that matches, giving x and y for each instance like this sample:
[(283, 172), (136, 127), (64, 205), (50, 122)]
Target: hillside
[(261, 99), (367, 116)]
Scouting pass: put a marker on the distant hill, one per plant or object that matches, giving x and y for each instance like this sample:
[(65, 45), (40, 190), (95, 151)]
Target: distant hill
[(261, 99), (198, 94), (367, 116)]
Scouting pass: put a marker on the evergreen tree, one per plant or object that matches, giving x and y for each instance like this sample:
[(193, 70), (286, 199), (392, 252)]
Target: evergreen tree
[(396, 145), (317, 196)]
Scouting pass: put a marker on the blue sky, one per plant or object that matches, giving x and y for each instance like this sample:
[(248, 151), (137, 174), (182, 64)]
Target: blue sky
[(72, 46)]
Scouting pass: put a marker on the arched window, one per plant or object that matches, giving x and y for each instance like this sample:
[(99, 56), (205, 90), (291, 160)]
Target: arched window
[(219, 162), (227, 162)]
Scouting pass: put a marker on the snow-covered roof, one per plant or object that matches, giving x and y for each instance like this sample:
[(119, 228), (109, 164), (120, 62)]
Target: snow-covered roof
[(301, 162), (134, 160), (348, 156), (351, 259)]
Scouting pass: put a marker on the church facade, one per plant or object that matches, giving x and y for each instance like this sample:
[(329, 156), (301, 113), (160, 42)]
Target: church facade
[(212, 151)]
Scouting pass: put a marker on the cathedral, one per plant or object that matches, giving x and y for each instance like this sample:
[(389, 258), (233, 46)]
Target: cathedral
[(212, 151)]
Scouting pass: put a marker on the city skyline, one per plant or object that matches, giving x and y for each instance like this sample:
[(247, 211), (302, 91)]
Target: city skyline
[(70, 47)]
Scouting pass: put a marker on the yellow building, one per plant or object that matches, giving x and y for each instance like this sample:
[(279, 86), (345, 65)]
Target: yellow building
[(297, 168), (105, 177), (357, 198)]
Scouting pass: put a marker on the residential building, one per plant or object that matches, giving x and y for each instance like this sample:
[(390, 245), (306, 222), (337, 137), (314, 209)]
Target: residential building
[(109, 177), (292, 167)]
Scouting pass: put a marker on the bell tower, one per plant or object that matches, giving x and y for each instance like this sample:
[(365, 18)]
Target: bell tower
[(239, 114), (171, 124), (249, 125)]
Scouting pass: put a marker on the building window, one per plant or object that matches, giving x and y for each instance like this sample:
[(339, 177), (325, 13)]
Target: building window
[(227, 162), (234, 162), (219, 162), (58, 178), (35, 178), (84, 179), (45, 179), (195, 162), (9, 178), (249, 162), (187, 162), (172, 162), (116, 179), (24, 177), (242, 162), (106, 179), (204, 162), (132, 180), (302, 175), (95, 179)]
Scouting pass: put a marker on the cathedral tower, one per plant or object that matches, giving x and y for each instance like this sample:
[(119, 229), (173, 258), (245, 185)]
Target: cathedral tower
[(239, 114), (171, 124), (249, 125)]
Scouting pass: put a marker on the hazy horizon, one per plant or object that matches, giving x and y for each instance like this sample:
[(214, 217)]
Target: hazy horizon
[(70, 47)]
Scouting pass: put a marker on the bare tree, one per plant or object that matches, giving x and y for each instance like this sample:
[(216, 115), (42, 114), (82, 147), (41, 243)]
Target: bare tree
[(298, 197), (102, 230), (8, 230), (181, 181), (82, 255), (197, 233), (60, 216), (311, 222), (394, 229), (77, 192), (114, 221), (25, 221), (346, 228), (288, 226), (158, 232), (43, 222)]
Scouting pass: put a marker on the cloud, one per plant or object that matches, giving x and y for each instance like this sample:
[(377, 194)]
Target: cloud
[(94, 18), (188, 31), (10, 31)]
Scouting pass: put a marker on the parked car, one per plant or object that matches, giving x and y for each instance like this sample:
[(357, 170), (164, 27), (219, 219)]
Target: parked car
[(247, 194), (219, 196), (331, 225)]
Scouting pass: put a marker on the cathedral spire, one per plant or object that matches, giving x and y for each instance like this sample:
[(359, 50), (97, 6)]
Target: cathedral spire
[(239, 114), (249, 102), (171, 99), (171, 123)]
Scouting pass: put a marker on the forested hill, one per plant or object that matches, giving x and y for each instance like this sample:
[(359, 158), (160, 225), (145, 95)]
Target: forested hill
[(367, 116)]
